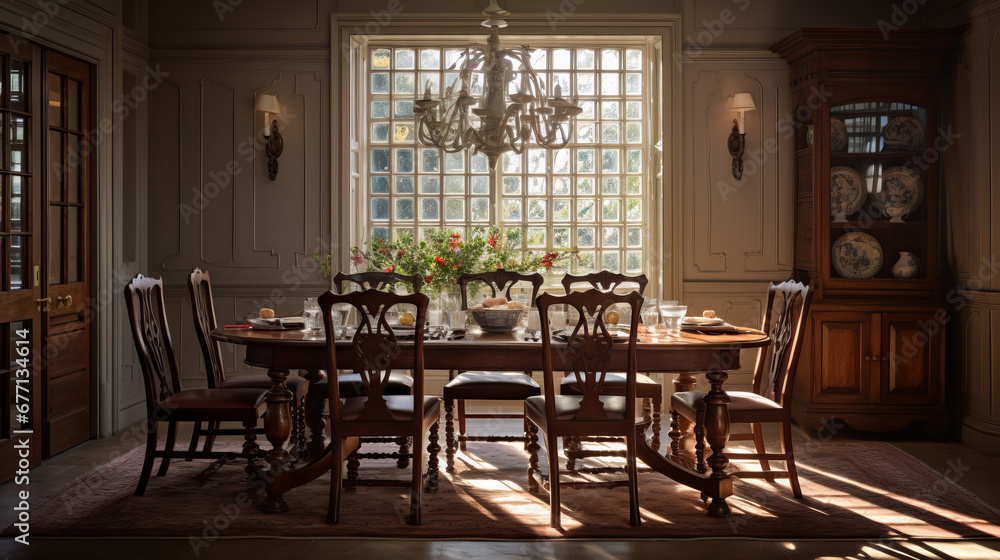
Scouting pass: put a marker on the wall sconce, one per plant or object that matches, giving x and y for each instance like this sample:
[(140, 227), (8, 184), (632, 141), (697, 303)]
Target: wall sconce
[(741, 102), (273, 143)]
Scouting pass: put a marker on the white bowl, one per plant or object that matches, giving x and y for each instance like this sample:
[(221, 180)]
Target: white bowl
[(497, 320)]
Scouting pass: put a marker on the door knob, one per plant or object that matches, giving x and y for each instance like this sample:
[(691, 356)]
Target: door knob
[(64, 302), (43, 304)]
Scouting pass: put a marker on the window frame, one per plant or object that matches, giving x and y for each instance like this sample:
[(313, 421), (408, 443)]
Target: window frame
[(657, 31)]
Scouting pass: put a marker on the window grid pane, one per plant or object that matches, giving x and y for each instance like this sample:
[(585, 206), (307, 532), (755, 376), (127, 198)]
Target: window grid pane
[(588, 195)]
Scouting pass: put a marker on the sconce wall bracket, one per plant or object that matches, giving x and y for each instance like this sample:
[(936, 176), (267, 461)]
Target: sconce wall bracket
[(737, 144), (273, 146)]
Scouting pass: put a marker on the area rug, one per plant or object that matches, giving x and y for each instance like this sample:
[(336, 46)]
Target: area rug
[(852, 490)]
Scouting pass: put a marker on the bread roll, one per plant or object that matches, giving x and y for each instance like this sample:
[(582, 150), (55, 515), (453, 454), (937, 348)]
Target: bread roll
[(708, 313), (493, 302), (267, 313)]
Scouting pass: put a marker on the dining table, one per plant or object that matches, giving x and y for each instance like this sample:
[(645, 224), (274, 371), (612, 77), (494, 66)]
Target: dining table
[(691, 354)]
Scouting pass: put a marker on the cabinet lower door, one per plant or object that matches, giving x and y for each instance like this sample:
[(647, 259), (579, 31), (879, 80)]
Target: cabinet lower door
[(912, 354), (842, 342)]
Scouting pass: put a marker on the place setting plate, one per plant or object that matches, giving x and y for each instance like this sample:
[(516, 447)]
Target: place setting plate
[(277, 324)]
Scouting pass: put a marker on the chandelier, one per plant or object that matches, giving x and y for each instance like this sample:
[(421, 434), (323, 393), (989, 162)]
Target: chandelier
[(507, 121)]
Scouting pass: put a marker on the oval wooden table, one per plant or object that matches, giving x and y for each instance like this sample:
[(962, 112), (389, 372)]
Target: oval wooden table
[(282, 351)]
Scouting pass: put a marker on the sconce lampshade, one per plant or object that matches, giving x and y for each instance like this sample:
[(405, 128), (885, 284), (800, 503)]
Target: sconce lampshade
[(742, 102), (269, 104)]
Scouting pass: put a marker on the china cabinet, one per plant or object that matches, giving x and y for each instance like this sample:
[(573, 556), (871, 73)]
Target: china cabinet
[(868, 142)]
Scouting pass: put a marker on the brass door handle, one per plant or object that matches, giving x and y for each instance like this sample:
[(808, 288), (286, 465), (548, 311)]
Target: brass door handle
[(43, 304), (64, 302)]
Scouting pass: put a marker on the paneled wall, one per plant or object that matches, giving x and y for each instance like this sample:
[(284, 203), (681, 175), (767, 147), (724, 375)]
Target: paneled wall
[(724, 239), (972, 243)]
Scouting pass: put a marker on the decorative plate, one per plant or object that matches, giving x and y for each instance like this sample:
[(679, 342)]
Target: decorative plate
[(848, 190), (902, 191), (838, 135), (856, 255), (903, 133)]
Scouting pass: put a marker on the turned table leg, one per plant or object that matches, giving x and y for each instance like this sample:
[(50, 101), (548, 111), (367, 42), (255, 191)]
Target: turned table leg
[(277, 428), (717, 434), (315, 404)]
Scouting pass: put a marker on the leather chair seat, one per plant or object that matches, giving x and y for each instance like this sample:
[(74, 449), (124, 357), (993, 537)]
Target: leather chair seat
[(214, 404), (297, 385), (567, 406), (351, 385), (400, 407), (491, 385), (764, 409), (614, 384)]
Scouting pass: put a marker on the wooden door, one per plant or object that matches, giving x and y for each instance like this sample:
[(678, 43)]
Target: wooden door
[(912, 358), (68, 171), (841, 369), (21, 241)]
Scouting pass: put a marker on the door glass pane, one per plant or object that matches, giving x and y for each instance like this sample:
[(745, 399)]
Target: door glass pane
[(19, 143), (55, 109), (4, 160), (19, 85), (55, 175), (74, 262), (18, 264), (71, 168), (18, 203), (73, 113), (55, 245)]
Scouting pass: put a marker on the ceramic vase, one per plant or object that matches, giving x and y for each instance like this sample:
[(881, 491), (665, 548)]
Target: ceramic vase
[(908, 265)]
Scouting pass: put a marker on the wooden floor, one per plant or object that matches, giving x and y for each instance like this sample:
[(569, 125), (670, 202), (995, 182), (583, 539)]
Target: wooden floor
[(979, 476)]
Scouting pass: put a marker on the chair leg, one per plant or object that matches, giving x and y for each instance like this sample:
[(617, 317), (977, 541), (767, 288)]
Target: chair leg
[(551, 447), (250, 447), (758, 442), (786, 448), (353, 464), (433, 448), (674, 434), (449, 434), (533, 448), (657, 406), (404, 451), (147, 462), (168, 448), (213, 427), (632, 472), (336, 472), (195, 436), (300, 451), (461, 425), (417, 486)]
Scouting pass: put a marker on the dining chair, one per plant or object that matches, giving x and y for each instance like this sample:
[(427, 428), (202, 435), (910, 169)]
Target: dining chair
[(486, 385), (203, 311), (166, 402), (375, 348), (771, 399), (646, 388), (593, 412), (399, 383)]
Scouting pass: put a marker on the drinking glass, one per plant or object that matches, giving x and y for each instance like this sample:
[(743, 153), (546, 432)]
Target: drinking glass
[(312, 316), (672, 317)]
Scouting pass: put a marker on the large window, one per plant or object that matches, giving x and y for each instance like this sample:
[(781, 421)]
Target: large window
[(593, 195)]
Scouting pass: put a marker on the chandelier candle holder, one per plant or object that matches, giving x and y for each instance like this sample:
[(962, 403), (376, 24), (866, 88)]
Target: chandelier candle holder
[(507, 121)]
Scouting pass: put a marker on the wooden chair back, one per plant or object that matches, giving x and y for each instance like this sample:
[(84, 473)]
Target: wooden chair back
[(377, 280), (203, 309), (500, 281), (147, 316), (604, 280), (589, 345), (784, 320), (376, 348)]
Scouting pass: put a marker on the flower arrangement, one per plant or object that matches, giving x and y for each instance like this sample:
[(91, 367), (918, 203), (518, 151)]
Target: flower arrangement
[(445, 255)]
